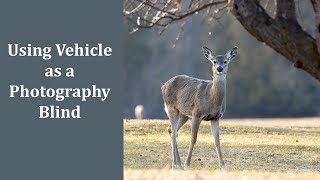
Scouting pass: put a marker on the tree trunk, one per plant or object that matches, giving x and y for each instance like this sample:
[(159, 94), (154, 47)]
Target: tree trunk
[(316, 7), (282, 33)]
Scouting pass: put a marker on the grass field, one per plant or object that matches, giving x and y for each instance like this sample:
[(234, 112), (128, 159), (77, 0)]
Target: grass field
[(251, 148)]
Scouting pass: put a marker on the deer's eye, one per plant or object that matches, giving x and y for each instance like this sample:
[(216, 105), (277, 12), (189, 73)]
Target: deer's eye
[(225, 62), (215, 62)]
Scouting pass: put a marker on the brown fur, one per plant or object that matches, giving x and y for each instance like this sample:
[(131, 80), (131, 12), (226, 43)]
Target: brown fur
[(191, 96), (187, 97)]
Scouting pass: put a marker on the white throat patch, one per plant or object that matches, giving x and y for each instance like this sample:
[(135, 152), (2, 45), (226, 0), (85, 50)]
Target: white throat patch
[(221, 77)]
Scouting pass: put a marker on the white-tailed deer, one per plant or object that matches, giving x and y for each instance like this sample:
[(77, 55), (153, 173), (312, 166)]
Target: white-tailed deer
[(139, 111), (198, 99)]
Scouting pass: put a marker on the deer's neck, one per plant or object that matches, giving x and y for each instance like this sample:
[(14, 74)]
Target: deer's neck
[(218, 90)]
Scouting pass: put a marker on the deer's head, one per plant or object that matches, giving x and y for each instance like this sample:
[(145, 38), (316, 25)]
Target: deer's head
[(219, 62)]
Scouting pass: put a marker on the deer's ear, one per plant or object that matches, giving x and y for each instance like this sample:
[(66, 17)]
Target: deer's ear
[(231, 53), (208, 53)]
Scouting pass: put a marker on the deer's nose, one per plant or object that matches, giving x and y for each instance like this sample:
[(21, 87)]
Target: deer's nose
[(219, 69)]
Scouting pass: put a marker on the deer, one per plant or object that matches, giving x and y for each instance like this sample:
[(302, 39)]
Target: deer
[(187, 97), (139, 111)]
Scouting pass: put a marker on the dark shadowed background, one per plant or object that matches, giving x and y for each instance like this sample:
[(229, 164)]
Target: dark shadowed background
[(260, 83)]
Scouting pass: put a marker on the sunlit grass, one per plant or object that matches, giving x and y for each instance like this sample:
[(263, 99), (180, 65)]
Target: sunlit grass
[(258, 148), (166, 174)]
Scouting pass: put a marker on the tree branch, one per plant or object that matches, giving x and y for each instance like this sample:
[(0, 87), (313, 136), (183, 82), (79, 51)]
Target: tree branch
[(165, 15), (286, 9), (282, 33), (285, 37), (316, 7)]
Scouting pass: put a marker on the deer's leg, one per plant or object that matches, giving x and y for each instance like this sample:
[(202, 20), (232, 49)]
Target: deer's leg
[(174, 121), (195, 123), (182, 120), (215, 131)]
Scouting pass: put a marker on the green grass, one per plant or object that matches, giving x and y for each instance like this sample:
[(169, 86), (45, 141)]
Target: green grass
[(255, 148)]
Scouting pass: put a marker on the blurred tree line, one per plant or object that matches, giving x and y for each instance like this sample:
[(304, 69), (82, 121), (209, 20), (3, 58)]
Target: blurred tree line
[(260, 83)]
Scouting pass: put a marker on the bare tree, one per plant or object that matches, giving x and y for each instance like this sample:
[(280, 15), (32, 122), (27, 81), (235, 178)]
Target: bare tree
[(282, 31)]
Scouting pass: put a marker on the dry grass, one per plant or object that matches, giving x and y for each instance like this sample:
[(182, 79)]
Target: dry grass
[(152, 174), (257, 146)]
